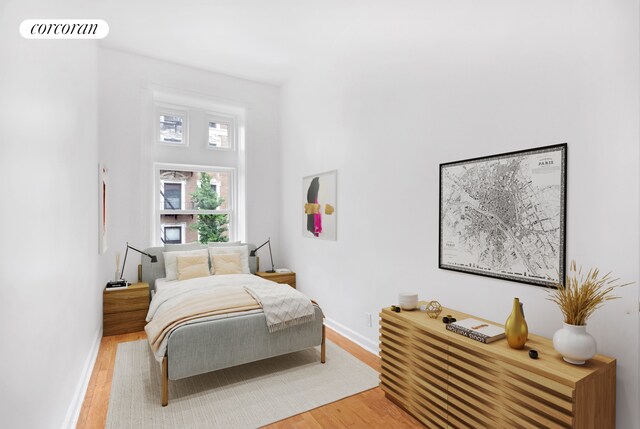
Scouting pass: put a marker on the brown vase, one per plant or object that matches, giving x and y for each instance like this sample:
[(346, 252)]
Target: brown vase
[(515, 327)]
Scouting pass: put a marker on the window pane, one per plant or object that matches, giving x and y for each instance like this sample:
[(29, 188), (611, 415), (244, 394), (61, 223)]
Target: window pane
[(216, 196), (171, 129), (211, 227), (173, 234), (172, 196), (218, 134)]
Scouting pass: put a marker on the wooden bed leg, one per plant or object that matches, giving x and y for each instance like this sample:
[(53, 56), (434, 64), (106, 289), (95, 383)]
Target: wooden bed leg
[(323, 348), (165, 382)]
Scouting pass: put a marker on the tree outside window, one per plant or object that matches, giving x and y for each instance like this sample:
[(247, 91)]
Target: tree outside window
[(210, 227)]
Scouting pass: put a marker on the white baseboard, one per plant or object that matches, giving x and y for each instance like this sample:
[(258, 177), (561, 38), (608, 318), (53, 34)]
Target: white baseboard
[(365, 343), (73, 412)]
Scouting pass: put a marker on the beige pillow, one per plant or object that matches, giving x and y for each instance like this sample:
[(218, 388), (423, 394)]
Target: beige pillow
[(190, 267), (226, 263), (171, 261), (243, 250)]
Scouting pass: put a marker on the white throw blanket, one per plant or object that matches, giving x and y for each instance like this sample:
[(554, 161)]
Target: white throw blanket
[(283, 306)]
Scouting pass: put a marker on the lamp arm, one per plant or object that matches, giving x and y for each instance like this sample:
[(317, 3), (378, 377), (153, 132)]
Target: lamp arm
[(124, 263), (253, 252), (140, 251), (273, 269)]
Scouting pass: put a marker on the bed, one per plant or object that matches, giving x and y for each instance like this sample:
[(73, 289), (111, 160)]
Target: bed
[(211, 344)]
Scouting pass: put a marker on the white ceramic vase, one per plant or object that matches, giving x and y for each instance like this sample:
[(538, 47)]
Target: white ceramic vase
[(574, 343)]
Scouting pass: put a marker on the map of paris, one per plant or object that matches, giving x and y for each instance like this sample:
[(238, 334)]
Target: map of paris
[(504, 215)]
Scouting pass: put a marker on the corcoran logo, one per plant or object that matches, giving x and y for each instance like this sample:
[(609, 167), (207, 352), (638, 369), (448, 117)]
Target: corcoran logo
[(543, 162), (64, 29)]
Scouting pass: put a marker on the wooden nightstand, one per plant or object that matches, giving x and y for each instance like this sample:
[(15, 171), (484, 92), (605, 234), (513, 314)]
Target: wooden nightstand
[(284, 278), (125, 310)]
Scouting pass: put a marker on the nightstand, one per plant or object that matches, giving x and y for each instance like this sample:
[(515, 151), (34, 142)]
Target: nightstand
[(125, 310), (284, 278)]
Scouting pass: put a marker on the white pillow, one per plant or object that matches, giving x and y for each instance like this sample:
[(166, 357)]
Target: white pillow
[(223, 243), (242, 250), (171, 261), (168, 247)]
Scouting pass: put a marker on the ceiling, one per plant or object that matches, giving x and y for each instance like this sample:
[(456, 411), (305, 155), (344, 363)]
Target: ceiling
[(268, 40)]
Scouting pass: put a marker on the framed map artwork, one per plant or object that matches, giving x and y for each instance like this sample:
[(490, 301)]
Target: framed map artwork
[(504, 216)]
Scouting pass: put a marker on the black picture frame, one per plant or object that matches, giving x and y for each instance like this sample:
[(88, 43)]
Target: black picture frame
[(506, 211)]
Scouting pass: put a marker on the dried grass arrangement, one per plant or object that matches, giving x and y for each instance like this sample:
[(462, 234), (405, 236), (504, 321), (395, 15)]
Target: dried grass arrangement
[(581, 295)]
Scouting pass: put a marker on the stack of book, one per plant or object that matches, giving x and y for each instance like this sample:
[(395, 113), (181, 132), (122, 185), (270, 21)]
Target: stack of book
[(118, 284), (477, 330)]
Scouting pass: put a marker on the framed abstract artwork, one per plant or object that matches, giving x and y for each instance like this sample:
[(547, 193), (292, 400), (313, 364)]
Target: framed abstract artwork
[(504, 215), (319, 205)]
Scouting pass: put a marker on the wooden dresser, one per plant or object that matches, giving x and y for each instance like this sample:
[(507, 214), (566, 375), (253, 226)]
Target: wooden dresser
[(125, 310), (446, 380)]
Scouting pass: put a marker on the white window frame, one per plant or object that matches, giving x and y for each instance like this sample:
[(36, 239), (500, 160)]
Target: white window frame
[(183, 188), (182, 226), (232, 201), (231, 123), (166, 110)]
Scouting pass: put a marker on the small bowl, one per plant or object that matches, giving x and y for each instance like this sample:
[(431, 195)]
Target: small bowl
[(408, 301)]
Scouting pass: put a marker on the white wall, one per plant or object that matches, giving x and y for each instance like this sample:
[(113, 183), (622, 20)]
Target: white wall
[(128, 149), (448, 83), (50, 296)]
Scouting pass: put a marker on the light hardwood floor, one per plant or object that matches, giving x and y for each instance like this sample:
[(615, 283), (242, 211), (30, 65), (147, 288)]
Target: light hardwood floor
[(368, 409)]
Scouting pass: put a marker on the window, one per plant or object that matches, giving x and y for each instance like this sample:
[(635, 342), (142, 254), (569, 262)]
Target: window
[(221, 132), (172, 126), (199, 167), (206, 213), (172, 196), (172, 234), (218, 134)]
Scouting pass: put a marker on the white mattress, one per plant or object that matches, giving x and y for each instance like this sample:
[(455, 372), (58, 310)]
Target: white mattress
[(163, 283)]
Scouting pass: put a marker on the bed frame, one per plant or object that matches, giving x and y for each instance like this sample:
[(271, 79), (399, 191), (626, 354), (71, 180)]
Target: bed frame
[(211, 345)]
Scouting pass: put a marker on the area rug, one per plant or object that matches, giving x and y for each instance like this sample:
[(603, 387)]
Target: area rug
[(246, 396)]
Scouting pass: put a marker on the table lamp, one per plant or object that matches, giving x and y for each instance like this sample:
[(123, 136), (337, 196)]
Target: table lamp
[(253, 253), (122, 282)]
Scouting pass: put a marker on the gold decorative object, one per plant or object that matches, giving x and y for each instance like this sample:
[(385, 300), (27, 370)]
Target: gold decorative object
[(515, 327), (434, 309), (329, 209)]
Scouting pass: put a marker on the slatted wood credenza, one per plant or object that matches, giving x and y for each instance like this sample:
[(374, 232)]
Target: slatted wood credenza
[(446, 380)]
